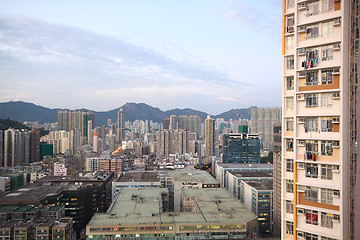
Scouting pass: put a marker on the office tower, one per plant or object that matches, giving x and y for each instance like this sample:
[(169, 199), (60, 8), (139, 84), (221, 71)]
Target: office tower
[(120, 126), (89, 132), (209, 136), (70, 120), (34, 145), (241, 148), (262, 122), (320, 47), (166, 123), (95, 141), (173, 122)]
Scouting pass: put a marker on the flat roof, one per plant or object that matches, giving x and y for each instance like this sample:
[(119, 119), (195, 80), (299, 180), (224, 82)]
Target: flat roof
[(260, 184), (6, 209), (245, 165), (79, 177), (139, 176), (191, 176), (143, 206), (252, 174)]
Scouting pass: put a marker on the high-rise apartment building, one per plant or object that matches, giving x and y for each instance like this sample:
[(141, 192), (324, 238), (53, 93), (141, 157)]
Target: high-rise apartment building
[(16, 147), (209, 136), (70, 120), (262, 122), (320, 48), (120, 126), (173, 122), (166, 123)]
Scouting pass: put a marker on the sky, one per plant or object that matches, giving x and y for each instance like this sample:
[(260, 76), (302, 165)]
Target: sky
[(211, 56)]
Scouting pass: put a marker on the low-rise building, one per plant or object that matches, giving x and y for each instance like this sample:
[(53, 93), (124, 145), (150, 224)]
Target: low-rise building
[(139, 213), (136, 179), (179, 179)]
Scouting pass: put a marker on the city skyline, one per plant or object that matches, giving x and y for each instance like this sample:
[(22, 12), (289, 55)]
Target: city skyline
[(106, 55)]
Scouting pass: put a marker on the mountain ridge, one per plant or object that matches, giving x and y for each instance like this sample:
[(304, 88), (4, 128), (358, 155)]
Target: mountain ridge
[(25, 111)]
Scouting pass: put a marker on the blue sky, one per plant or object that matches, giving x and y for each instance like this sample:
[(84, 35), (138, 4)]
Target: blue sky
[(208, 55)]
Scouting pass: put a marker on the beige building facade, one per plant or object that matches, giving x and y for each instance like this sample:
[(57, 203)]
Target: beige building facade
[(320, 45)]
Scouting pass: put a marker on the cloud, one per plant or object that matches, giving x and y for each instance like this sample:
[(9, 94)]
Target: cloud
[(62, 66)]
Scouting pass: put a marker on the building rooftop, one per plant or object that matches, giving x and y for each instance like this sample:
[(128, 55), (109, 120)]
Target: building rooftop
[(143, 206), (191, 176), (62, 222), (252, 174), (246, 165), (79, 177), (56, 208), (137, 176), (6, 209), (261, 184)]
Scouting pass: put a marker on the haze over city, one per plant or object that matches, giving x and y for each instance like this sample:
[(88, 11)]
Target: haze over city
[(99, 55)]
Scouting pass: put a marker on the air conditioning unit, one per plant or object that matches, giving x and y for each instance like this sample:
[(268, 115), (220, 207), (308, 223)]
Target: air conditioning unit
[(301, 235), (301, 211), (302, 6), (337, 22), (302, 29), (336, 71), (336, 120), (290, 29), (336, 218), (300, 97), (336, 46), (301, 51), (301, 165), (336, 95), (301, 143)]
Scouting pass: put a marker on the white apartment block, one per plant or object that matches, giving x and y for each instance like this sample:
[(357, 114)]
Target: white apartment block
[(320, 45)]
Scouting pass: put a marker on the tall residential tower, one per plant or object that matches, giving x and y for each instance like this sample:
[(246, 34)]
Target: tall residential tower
[(320, 47)]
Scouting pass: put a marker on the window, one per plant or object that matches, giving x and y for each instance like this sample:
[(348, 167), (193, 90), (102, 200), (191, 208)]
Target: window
[(289, 228), (327, 238), (312, 31), (327, 195), (327, 220), (311, 124), (327, 6), (311, 100), (326, 124), (311, 146), (289, 207), (311, 217), (289, 43), (290, 3), (289, 145), (290, 83), (289, 104), (289, 62), (311, 78), (326, 148), (327, 29), (289, 124), (312, 8), (327, 53), (327, 76), (327, 171), (310, 236), (326, 100), (311, 170), (289, 186), (290, 24), (312, 54), (289, 165), (311, 193)]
